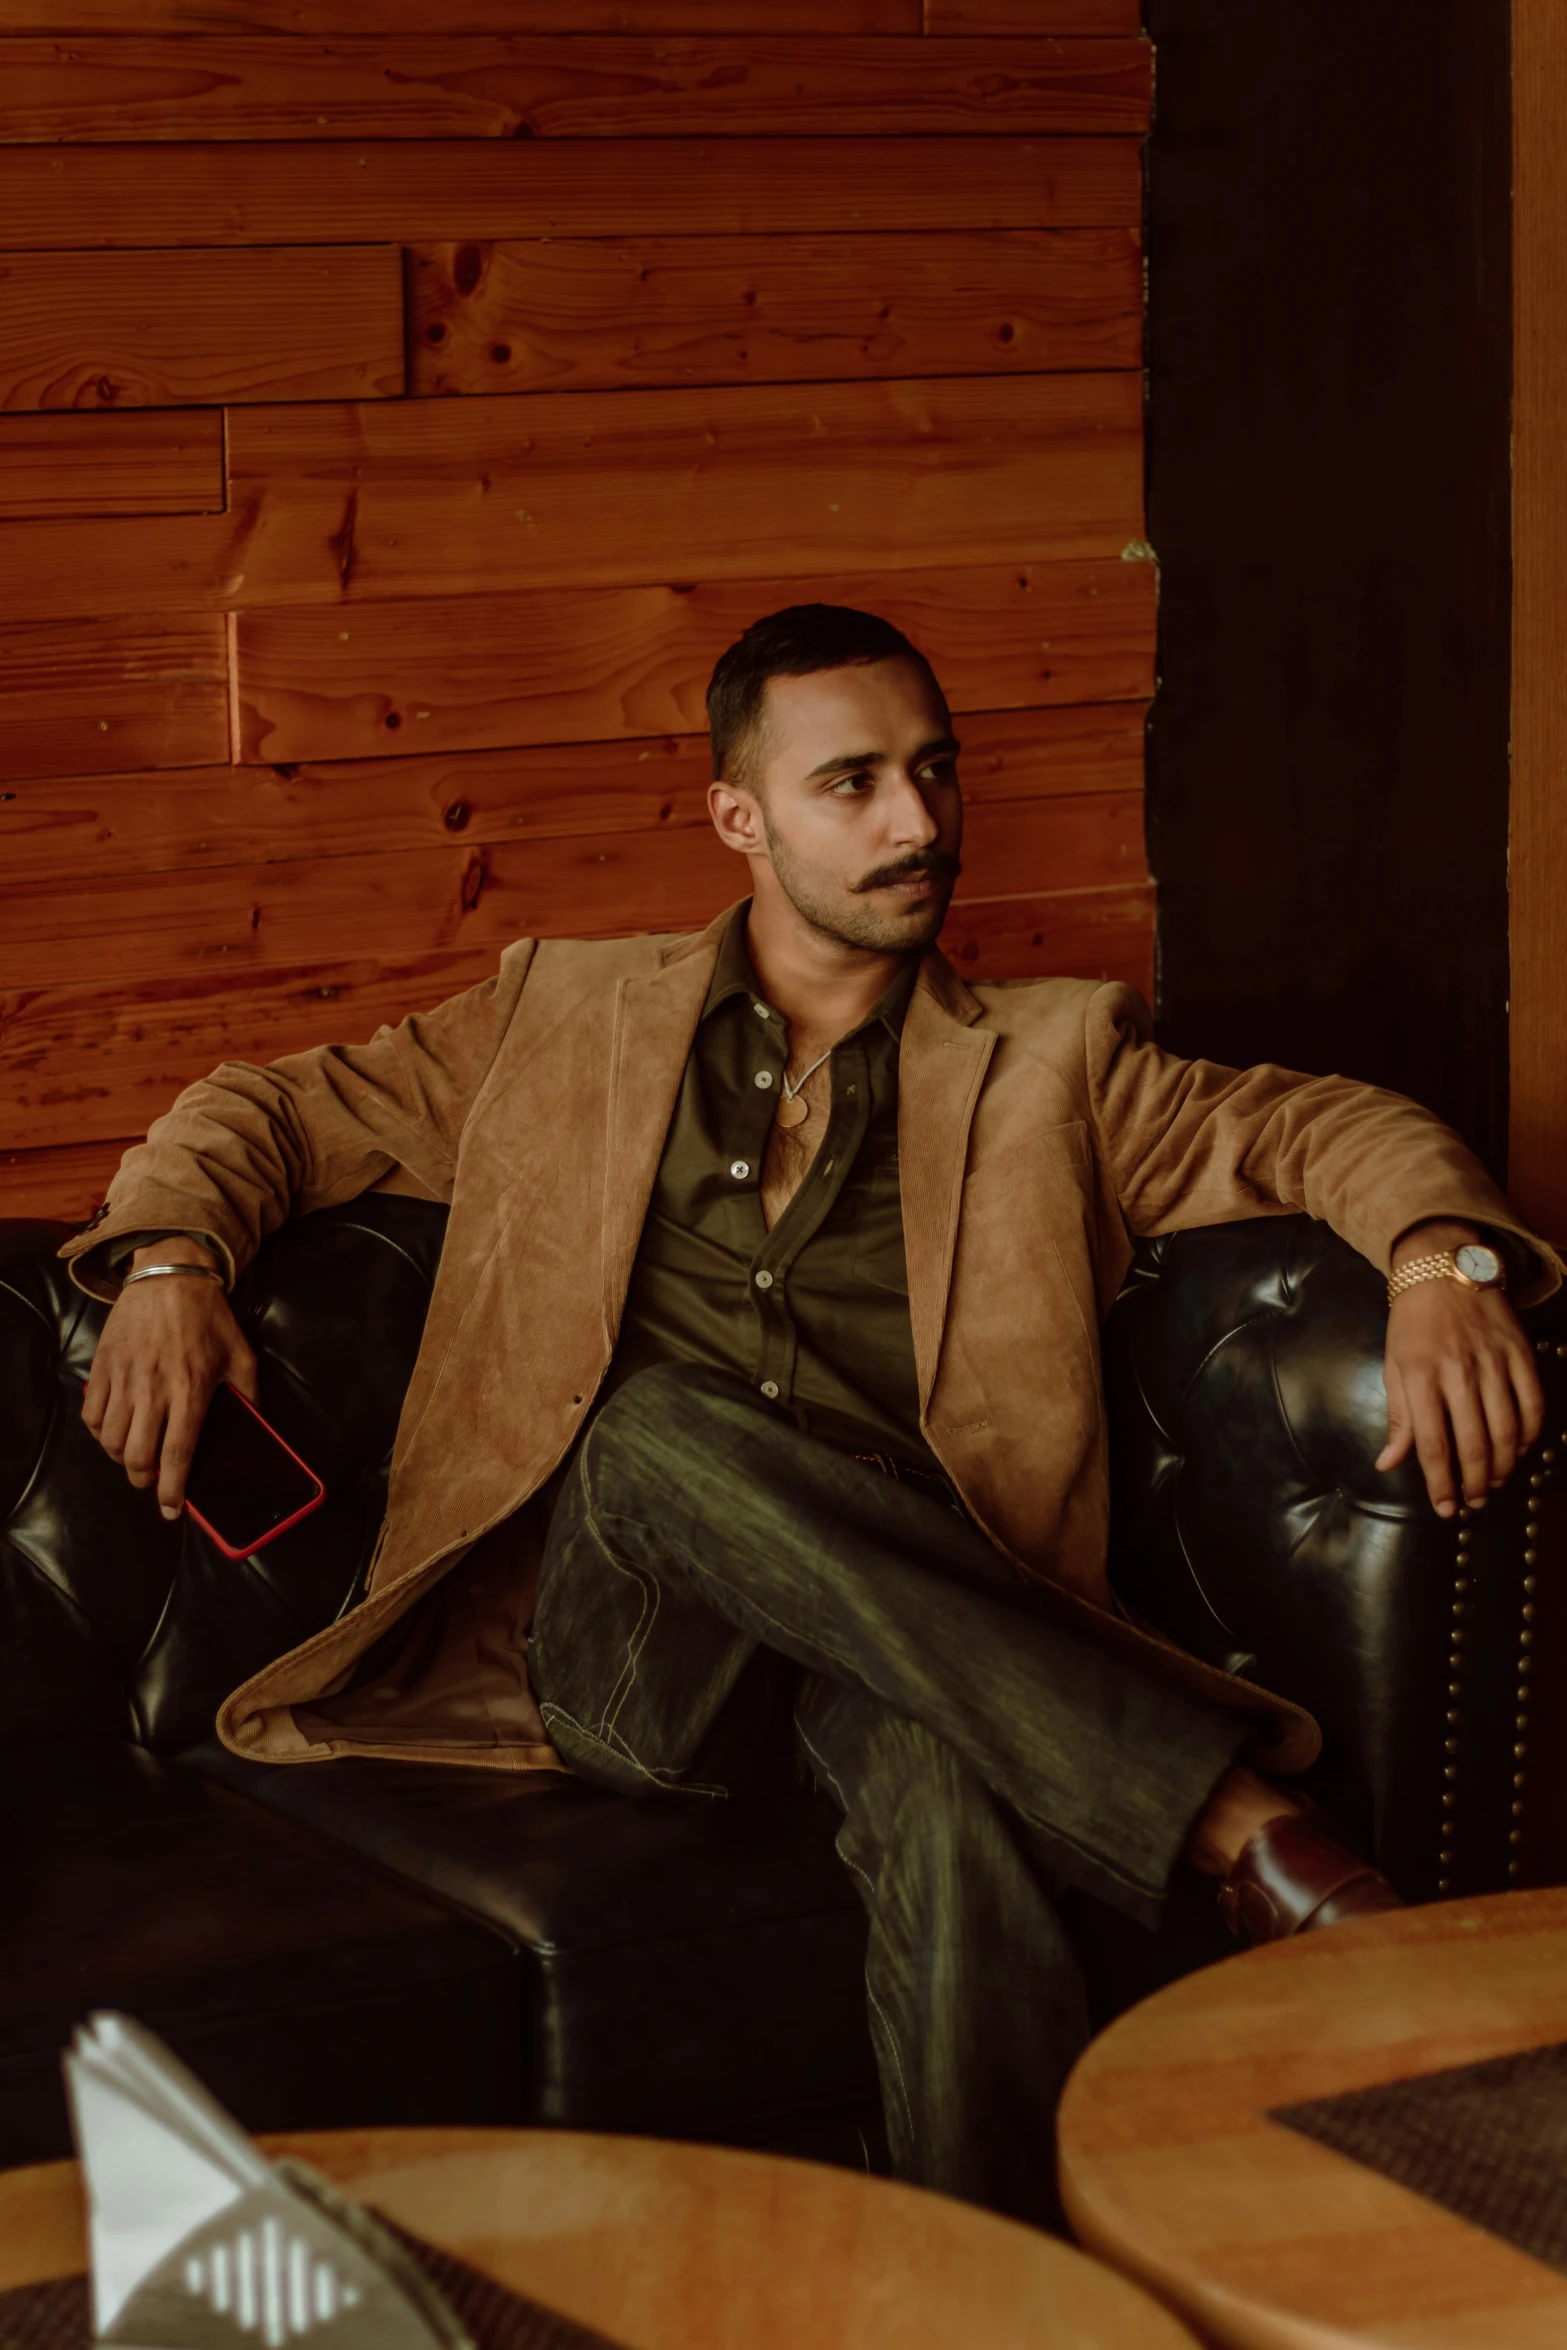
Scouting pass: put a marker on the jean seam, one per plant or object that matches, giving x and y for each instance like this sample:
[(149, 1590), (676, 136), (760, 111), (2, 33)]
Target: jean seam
[(668, 1780), (870, 1887), (647, 1587)]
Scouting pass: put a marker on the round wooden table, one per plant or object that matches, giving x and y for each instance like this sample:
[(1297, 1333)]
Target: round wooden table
[(672, 2247), (1171, 2171)]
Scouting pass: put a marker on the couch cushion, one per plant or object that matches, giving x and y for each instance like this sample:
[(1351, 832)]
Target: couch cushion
[(696, 1966), (307, 1989)]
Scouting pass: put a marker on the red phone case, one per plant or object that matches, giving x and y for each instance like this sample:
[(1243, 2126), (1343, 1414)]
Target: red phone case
[(272, 1532)]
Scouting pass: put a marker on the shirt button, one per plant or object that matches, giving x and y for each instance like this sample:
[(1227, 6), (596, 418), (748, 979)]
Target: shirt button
[(769, 1389), (764, 1078), (764, 1281), (761, 1011), (739, 1169)]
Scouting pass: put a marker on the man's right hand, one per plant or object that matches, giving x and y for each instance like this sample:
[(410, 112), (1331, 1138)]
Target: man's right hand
[(165, 1347)]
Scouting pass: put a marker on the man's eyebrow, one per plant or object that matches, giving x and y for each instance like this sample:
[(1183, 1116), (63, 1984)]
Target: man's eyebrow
[(941, 746)]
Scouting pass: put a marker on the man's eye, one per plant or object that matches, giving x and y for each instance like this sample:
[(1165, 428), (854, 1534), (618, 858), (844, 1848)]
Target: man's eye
[(850, 786)]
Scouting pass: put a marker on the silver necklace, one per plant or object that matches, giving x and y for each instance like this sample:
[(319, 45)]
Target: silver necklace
[(791, 1110)]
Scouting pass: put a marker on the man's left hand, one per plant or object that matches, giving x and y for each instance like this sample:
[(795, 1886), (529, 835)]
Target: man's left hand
[(1460, 1379)]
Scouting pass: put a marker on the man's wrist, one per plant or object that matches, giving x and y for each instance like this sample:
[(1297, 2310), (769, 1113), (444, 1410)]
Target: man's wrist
[(1438, 1236), (179, 1248)]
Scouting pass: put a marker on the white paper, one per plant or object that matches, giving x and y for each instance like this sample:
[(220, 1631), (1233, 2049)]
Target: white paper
[(199, 2243)]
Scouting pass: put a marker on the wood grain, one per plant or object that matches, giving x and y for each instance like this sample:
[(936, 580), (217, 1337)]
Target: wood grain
[(572, 314), (474, 672), (420, 191), (1537, 862), (82, 696), (1006, 17), (1172, 2171), (88, 1058), (184, 561), (588, 488), (237, 86), (670, 2247), (326, 17), (1064, 934), (92, 825), (453, 497), (56, 468), (65, 1183), (88, 1062), (86, 826), (165, 329), (479, 893)]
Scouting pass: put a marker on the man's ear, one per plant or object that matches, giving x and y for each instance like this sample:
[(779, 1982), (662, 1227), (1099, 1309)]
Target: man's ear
[(737, 818)]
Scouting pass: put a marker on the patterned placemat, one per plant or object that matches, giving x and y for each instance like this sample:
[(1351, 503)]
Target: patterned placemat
[(58, 2315), (1487, 2141)]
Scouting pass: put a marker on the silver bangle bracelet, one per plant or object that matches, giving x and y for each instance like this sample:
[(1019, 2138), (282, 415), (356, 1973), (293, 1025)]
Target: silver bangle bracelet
[(151, 1273)]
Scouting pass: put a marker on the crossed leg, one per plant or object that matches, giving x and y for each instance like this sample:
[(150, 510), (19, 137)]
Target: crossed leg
[(985, 1755)]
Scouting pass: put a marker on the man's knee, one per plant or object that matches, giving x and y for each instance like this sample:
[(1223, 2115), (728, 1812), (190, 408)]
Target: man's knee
[(897, 1776)]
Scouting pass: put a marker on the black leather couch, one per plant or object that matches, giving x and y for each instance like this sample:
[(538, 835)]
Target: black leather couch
[(376, 1943)]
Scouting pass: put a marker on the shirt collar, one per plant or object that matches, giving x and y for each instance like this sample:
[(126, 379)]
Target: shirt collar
[(733, 975)]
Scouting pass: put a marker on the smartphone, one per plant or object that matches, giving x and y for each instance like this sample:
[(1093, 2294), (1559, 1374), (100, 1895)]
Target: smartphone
[(246, 1486)]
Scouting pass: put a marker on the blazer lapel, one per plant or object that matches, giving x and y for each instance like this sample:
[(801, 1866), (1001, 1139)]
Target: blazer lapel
[(941, 1066), (655, 1020)]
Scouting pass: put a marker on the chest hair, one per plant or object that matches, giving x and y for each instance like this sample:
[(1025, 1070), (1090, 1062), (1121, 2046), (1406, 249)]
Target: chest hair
[(792, 1149)]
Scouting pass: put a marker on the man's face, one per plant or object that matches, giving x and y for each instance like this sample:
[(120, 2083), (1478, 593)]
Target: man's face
[(859, 802)]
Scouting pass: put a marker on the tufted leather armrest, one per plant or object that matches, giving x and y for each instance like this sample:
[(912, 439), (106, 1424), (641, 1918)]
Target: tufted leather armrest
[(1243, 1366), (114, 1622)]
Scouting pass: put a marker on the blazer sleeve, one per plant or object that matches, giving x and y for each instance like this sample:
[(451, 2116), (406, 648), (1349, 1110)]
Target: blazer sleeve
[(1191, 1142), (247, 1147)]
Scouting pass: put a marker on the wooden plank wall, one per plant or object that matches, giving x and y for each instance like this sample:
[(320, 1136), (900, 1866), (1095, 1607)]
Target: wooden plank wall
[(400, 407)]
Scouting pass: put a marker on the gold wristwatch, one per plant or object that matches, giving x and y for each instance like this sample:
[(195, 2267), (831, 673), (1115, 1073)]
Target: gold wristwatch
[(1474, 1266)]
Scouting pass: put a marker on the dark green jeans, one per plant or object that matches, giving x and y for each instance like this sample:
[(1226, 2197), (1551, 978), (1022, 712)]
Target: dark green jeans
[(985, 1756)]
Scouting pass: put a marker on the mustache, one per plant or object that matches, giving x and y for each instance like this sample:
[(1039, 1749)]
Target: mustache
[(938, 861)]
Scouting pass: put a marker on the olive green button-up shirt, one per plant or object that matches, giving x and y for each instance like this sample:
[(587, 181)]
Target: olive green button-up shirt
[(814, 1314)]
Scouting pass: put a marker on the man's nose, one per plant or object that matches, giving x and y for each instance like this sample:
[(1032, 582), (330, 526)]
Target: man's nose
[(912, 823)]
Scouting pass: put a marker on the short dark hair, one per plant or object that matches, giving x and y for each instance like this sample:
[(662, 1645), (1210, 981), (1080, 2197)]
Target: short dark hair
[(796, 642)]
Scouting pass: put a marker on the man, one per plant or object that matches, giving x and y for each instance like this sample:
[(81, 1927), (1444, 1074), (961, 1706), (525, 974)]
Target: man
[(758, 1410)]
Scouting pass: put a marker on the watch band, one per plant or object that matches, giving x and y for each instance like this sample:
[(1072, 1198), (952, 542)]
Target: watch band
[(1443, 1267), (152, 1272)]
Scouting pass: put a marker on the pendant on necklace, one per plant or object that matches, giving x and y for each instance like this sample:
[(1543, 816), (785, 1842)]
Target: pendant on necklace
[(791, 1111)]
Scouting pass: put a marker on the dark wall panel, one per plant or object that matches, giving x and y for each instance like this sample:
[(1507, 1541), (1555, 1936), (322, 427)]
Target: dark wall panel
[(1328, 494)]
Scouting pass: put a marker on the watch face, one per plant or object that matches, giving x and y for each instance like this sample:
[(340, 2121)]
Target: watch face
[(1478, 1264)]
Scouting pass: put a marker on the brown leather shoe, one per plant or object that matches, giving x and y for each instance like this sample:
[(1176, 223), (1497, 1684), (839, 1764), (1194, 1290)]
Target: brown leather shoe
[(1295, 1875)]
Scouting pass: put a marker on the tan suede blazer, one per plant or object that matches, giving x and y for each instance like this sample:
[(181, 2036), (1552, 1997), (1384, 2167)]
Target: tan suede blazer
[(1040, 1132)]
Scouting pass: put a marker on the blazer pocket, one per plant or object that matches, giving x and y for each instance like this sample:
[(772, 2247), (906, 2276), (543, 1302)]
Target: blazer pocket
[(1056, 1158)]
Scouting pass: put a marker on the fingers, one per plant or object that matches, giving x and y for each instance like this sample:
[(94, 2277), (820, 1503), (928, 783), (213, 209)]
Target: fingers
[(1431, 1442), (1400, 1426), (1526, 1387), (95, 1395), (115, 1413), (1500, 1408), (187, 1410), (1471, 1436), (144, 1442)]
